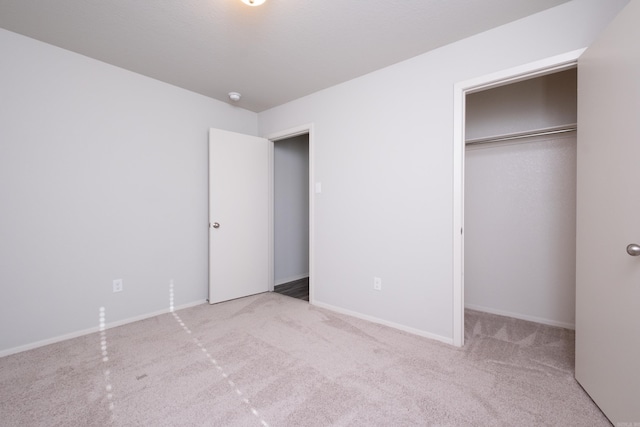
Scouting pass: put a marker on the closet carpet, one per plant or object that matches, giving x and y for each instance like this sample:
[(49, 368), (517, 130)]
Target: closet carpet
[(270, 360)]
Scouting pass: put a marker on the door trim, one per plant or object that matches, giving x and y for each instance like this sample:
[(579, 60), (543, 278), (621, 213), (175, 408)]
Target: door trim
[(461, 89), (273, 137)]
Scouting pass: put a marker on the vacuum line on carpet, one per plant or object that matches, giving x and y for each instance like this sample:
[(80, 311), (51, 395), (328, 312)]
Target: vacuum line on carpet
[(213, 361), (105, 360)]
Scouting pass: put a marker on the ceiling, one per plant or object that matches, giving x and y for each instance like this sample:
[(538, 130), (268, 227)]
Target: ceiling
[(271, 54)]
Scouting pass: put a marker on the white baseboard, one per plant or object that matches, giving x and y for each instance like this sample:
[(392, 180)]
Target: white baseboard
[(76, 334), (290, 279), (404, 328), (521, 316)]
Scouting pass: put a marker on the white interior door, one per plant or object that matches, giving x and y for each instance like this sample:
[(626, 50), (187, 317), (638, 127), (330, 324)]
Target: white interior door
[(239, 216), (608, 219)]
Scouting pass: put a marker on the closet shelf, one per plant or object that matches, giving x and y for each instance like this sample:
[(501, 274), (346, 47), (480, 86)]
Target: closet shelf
[(527, 134)]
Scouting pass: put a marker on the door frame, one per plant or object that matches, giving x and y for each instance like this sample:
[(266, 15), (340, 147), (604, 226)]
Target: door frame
[(306, 129), (461, 89)]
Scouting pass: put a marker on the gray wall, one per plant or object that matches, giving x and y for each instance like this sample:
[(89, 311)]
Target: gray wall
[(103, 175), (383, 149), (291, 209), (520, 202)]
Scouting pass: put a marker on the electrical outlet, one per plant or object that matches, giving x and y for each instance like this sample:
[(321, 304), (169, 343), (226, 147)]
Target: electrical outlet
[(117, 285), (377, 283)]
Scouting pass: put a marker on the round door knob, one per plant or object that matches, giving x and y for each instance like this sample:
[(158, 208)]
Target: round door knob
[(216, 225), (633, 249)]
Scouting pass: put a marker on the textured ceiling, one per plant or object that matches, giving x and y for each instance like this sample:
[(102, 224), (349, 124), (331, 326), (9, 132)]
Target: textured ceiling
[(272, 54)]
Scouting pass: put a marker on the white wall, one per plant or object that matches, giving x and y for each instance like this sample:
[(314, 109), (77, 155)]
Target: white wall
[(291, 209), (532, 104), (103, 175), (383, 152), (520, 229)]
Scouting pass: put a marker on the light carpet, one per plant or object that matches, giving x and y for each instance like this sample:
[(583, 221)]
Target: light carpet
[(271, 360)]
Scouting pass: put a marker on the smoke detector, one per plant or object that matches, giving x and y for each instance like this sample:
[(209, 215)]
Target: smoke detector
[(234, 96)]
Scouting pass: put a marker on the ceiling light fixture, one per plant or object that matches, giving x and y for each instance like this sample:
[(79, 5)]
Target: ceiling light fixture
[(253, 2)]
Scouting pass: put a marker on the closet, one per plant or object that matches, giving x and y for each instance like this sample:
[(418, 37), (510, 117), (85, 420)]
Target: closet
[(520, 199)]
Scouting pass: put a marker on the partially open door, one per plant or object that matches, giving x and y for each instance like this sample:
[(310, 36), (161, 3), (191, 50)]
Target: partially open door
[(608, 220), (239, 183)]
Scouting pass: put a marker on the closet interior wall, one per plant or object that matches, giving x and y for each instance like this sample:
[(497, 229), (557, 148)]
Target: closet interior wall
[(520, 200)]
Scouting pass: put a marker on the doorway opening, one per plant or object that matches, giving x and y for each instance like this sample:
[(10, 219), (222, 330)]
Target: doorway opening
[(291, 216), (520, 199), (292, 207), (461, 90)]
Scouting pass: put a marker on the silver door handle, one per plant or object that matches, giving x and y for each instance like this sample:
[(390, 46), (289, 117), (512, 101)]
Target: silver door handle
[(633, 249), (215, 225)]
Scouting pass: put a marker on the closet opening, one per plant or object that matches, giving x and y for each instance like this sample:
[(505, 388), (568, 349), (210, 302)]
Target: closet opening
[(520, 199), (291, 216)]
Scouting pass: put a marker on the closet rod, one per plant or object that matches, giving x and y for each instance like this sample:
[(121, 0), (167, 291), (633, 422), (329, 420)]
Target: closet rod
[(528, 134)]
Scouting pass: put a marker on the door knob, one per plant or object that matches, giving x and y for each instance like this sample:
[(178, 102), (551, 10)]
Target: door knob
[(633, 249), (216, 225)]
